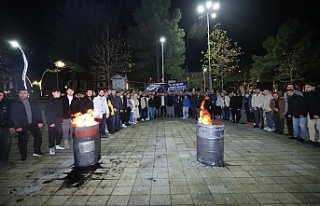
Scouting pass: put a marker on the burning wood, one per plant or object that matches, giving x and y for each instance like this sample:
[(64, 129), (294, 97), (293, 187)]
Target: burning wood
[(85, 120)]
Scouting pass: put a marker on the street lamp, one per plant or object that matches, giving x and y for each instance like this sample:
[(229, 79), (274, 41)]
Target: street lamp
[(162, 40), (15, 44), (39, 83), (59, 64), (209, 9)]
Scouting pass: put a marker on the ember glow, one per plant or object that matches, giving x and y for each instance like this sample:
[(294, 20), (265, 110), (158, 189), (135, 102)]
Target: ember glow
[(85, 120), (205, 116)]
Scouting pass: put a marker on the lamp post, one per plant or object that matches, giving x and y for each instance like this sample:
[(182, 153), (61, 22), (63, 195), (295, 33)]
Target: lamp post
[(15, 44), (162, 40), (59, 64), (204, 79), (39, 83), (209, 9)]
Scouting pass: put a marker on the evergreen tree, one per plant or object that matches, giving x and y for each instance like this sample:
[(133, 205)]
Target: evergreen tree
[(154, 19)]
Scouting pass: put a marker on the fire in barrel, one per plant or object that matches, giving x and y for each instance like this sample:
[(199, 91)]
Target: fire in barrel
[(210, 138), (86, 139)]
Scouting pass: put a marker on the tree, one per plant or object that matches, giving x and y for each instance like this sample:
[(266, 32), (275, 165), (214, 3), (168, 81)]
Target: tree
[(154, 20), (224, 54), (290, 55), (109, 53)]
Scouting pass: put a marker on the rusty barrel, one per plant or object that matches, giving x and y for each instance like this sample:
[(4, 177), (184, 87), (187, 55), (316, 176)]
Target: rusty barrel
[(210, 144), (86, 146)]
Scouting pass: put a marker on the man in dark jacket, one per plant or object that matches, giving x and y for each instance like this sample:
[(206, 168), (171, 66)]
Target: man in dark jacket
[(117, 106), (86, 102), (4, 129), (25, 116), (297, 110), (53, 112), (312, 97), (70, 106), (235, 106)]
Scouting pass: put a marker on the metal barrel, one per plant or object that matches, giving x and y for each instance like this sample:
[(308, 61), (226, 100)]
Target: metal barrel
[(86, 146), (210, 144)]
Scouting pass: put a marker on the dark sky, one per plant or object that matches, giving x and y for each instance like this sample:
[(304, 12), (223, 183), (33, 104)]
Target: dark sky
[(248, 22)]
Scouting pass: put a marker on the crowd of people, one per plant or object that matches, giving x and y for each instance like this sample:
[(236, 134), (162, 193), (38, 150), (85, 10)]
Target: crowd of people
[(119, 109)]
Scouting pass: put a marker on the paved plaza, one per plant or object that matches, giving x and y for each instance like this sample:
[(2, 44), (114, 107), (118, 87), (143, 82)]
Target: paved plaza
[(154, 163)]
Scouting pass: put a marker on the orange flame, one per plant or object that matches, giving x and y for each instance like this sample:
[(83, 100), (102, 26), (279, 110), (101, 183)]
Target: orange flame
[(205, 116), (85, 120)]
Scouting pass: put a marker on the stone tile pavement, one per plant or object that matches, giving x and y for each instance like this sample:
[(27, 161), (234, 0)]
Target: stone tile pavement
[(154, 163)]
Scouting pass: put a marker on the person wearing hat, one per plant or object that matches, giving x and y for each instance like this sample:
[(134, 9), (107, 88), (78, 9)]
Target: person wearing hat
[(312, 97), (25, 116)]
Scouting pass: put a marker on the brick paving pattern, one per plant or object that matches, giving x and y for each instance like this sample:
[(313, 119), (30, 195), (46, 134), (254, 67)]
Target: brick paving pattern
[(154, 163)]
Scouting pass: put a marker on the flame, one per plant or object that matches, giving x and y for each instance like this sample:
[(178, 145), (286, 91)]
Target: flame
[(85, 120), (205, 116)]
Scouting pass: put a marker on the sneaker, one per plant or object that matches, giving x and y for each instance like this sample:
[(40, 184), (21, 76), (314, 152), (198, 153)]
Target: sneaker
[(124, 126), (142, 119), (23, 159), (266, 128), (52, 151), (147, 119), (59, 147), (39, 154), (270, 130)]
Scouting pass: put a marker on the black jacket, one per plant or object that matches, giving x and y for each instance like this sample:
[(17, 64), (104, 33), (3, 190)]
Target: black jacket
[(116, 102), (157, 101), (297, 106), (53, 110), (236, 102), (313, 103), (85, 104), (152, 103), (69, 110), (18, 114), (124, 103), (4, 113)]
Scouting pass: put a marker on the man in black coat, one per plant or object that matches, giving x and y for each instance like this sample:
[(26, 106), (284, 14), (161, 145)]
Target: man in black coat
[(312, 97), (86, 102), (5, 129), (117, 106), (25, 116), (70, 106), (53, 112), (297, 110), (123, 109), (235, 107)]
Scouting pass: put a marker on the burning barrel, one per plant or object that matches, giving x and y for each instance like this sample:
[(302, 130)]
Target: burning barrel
[(210, 139), (86, 140)]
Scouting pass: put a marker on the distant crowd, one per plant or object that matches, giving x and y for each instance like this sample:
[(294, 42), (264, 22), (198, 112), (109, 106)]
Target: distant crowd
[(119, 109)]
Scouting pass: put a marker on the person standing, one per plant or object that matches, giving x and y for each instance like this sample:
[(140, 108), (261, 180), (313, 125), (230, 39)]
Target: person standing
[(5, 129), (186, 105), (116, 102), (277, 105), (257, 105), (268, 110), (246, 107), (312, 97), (235, 106), (297, 110), (70, 106), (25, 116), (218, 105), (169, 104), (86, 102), (100, 104), (53, 113), (289, 119), (225, 104), (123, 109)]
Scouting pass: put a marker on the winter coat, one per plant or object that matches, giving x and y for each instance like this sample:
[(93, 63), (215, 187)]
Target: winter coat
[(297, 106), (313, 103), (266, 104), (53, 110), (186, 102), (282, 106), (18, 114), (85, 104), (69, 110), (5, 113), (100, 104)]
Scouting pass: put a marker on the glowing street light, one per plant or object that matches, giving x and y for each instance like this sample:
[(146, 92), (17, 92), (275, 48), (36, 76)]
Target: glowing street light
[(59, 64), (162, 40), (15, 44), (209, 9)]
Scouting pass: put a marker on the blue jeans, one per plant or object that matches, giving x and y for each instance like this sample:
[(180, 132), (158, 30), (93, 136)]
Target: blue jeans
[(151, 112), (116, 121), (131, 116), (269, 120), (299, 127)]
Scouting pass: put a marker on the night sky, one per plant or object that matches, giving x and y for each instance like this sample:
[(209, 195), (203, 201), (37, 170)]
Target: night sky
[(249, 22)]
